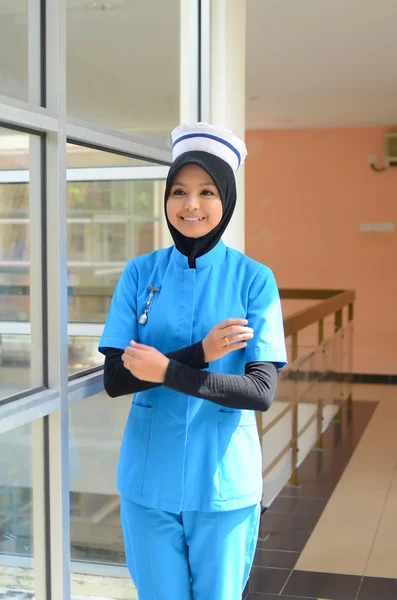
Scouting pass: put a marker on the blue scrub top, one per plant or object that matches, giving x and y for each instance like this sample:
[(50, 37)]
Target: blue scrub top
[(179, 452)]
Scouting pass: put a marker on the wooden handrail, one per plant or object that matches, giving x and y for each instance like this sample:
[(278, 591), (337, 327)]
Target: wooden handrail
[(307, 294), (313, 314), (330, 301), (107, 292)]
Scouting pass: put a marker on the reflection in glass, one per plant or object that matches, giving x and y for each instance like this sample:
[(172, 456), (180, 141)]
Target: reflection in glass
[(316, 389), (83, 157), (95, 522), (14, 49), (16, 512), (15, 348), (110, 221), (123, 66)]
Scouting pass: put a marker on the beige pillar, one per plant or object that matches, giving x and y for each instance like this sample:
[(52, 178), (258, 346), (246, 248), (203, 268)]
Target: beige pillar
[(222, 90), (227, 90)]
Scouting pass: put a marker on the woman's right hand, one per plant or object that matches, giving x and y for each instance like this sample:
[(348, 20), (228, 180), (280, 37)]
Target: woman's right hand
[(228, 336)]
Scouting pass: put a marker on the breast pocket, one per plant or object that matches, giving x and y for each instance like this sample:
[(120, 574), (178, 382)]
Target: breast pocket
[(135, 450), (239, 456)]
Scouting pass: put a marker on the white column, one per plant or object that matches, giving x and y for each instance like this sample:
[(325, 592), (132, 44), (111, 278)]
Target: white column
[(227, 93), (189, 61)]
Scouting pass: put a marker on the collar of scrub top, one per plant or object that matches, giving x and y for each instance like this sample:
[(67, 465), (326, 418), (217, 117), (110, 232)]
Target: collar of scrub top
[(219, 153), (215, 255)]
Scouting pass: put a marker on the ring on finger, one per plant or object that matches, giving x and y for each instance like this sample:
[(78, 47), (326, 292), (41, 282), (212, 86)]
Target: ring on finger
[(227, 340)]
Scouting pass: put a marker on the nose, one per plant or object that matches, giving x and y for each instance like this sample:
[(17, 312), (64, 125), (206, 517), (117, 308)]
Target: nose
[(192, 202)]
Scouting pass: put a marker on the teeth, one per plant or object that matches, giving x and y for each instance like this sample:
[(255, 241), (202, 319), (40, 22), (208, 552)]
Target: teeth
[(196, 219)]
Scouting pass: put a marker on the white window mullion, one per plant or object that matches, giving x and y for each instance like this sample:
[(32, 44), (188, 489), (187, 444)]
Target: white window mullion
[(34, 53), (25, 116), (95, 174), (79, 132), (57, 314), (35, 261)]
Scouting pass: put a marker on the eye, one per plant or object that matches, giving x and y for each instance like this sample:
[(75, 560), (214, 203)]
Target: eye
[(207, 192), (178, 192)]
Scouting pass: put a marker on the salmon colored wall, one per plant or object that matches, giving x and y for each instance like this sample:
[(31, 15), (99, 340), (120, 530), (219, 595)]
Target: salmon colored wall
[(307, 192)]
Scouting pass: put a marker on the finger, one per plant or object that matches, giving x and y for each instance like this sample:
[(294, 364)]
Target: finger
[(138, 346), (234, 347), (126, 363), (235, 330), (230, 333), (240, 338), (129, 351), (235, 339), (230, 322)]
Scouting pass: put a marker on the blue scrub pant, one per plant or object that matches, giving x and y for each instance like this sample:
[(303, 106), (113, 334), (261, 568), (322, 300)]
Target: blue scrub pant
[(191, 555)]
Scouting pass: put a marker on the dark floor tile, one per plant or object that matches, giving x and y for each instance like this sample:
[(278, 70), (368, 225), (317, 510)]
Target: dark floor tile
[(298, 505), (283, 540), (246, 591), (253, 596), (280, 559), (323, 585), (269, 581), (274, 521), (308, 490), (378, 588)]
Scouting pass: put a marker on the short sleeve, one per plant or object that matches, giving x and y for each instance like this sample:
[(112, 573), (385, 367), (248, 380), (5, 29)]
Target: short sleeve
[(121, 323), (265, 317)]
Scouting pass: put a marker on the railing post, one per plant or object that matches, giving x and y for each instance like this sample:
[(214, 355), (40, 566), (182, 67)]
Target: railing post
[(294, 441), (320, 331), (350, 352), (294, 349), (338, 320), (351, 312), (319, 401), (338, 327)]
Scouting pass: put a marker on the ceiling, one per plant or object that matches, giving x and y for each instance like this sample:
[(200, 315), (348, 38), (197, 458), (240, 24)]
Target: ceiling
[(310, 63), (321, 63)]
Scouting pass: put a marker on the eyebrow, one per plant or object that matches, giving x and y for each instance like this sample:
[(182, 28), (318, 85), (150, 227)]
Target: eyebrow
[(184, 184)]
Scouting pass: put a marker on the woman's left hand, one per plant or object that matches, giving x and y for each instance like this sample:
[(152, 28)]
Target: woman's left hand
[(145, 362)]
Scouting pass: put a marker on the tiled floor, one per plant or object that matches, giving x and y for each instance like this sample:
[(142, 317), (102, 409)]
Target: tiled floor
[(288, 524), (357, 533), (357, 462)]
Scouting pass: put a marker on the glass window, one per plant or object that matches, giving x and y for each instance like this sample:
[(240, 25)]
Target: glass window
[(95, 503), (115, 212), (16, 510), (20, 205), (123, 65), (14, 48)]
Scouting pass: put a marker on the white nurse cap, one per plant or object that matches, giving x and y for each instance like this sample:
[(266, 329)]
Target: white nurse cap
[(209, 138)]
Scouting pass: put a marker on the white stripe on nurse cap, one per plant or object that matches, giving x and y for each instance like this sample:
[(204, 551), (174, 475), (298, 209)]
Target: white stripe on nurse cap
[(209, 138)]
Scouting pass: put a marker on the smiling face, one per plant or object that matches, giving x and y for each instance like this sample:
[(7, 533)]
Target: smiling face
[(194, 206)]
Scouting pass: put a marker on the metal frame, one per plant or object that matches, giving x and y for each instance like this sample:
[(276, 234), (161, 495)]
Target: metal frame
[(28, 409), (94, 174), (15, 113), (80, 132), (44, 118)]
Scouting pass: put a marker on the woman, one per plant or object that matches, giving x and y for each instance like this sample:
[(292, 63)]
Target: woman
[(196, 332)]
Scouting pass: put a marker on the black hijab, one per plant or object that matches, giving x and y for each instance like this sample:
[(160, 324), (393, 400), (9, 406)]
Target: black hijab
[(222, 175)]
